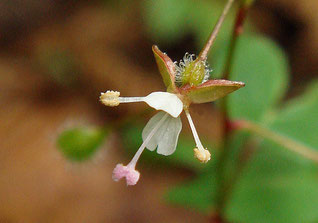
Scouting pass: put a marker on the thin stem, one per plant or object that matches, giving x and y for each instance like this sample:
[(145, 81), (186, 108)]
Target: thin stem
[(194, 131), (204, 53), (237, 31), (134, 160), (228, 183), (280, 139), (225, 152)]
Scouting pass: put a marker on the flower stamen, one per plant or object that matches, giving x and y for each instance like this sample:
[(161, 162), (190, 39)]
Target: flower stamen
[(203, 155), (164, 101), (112, 99), (129, 171), (134, 160)]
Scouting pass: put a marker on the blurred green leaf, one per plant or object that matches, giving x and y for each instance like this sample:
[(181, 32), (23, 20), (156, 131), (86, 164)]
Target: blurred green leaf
[(81, 143), (199, 194), (278, 185), (274, 188), (298, 119), (203, 20), (182, 157), (167, 20), (263, 67), (59, 65), (235, 144)]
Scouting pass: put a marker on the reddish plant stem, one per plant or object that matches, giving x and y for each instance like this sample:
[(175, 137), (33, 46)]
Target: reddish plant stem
[(223, 187), (283, 140), (237, 31), (216, 219), (204, 52)]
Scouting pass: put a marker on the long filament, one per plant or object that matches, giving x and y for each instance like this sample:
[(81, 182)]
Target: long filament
[(130, 99), (194, 131), (134, 160)]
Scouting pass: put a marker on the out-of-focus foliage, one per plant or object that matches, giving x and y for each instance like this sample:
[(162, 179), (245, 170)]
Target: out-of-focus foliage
[(157, 14), (299, 117), (58, 65), (81, 143), (277, 185), (286, 183), (168, 21), (247, 2), (262, 66), (196, 194), (266, 196)]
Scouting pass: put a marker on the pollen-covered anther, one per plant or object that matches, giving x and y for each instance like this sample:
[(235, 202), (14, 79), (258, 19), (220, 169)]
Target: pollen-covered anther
[(110, 98), (203, 155)]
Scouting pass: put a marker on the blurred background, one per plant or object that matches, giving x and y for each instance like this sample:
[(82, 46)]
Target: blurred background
[(55, 59)]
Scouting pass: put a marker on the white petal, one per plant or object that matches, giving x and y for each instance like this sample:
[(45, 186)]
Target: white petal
[(166, 137), (165, 101)]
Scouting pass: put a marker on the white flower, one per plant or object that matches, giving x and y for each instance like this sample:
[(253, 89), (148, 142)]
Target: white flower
[(166, 135), (189, 83), (161, 132)]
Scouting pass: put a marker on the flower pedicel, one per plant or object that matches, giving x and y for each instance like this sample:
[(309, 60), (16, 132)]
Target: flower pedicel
[(187, 82)]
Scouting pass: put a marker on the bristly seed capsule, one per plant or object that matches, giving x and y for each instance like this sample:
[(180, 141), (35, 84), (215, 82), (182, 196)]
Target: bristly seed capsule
[(191, 71)]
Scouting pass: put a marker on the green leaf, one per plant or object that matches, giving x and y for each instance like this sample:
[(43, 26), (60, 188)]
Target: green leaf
[(278, 185), (199, 194), (182, 157), (263, 67), (81, 143), (298, 119), (287, 198), (166, 68), (210, 91), (167, 21)]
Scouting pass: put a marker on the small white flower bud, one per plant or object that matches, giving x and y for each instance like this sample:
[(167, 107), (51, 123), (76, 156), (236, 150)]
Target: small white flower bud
[(110, 98), (203, 155)]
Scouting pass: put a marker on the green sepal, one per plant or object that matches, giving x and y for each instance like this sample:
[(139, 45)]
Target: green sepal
[(210, 91), (166, 67)]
